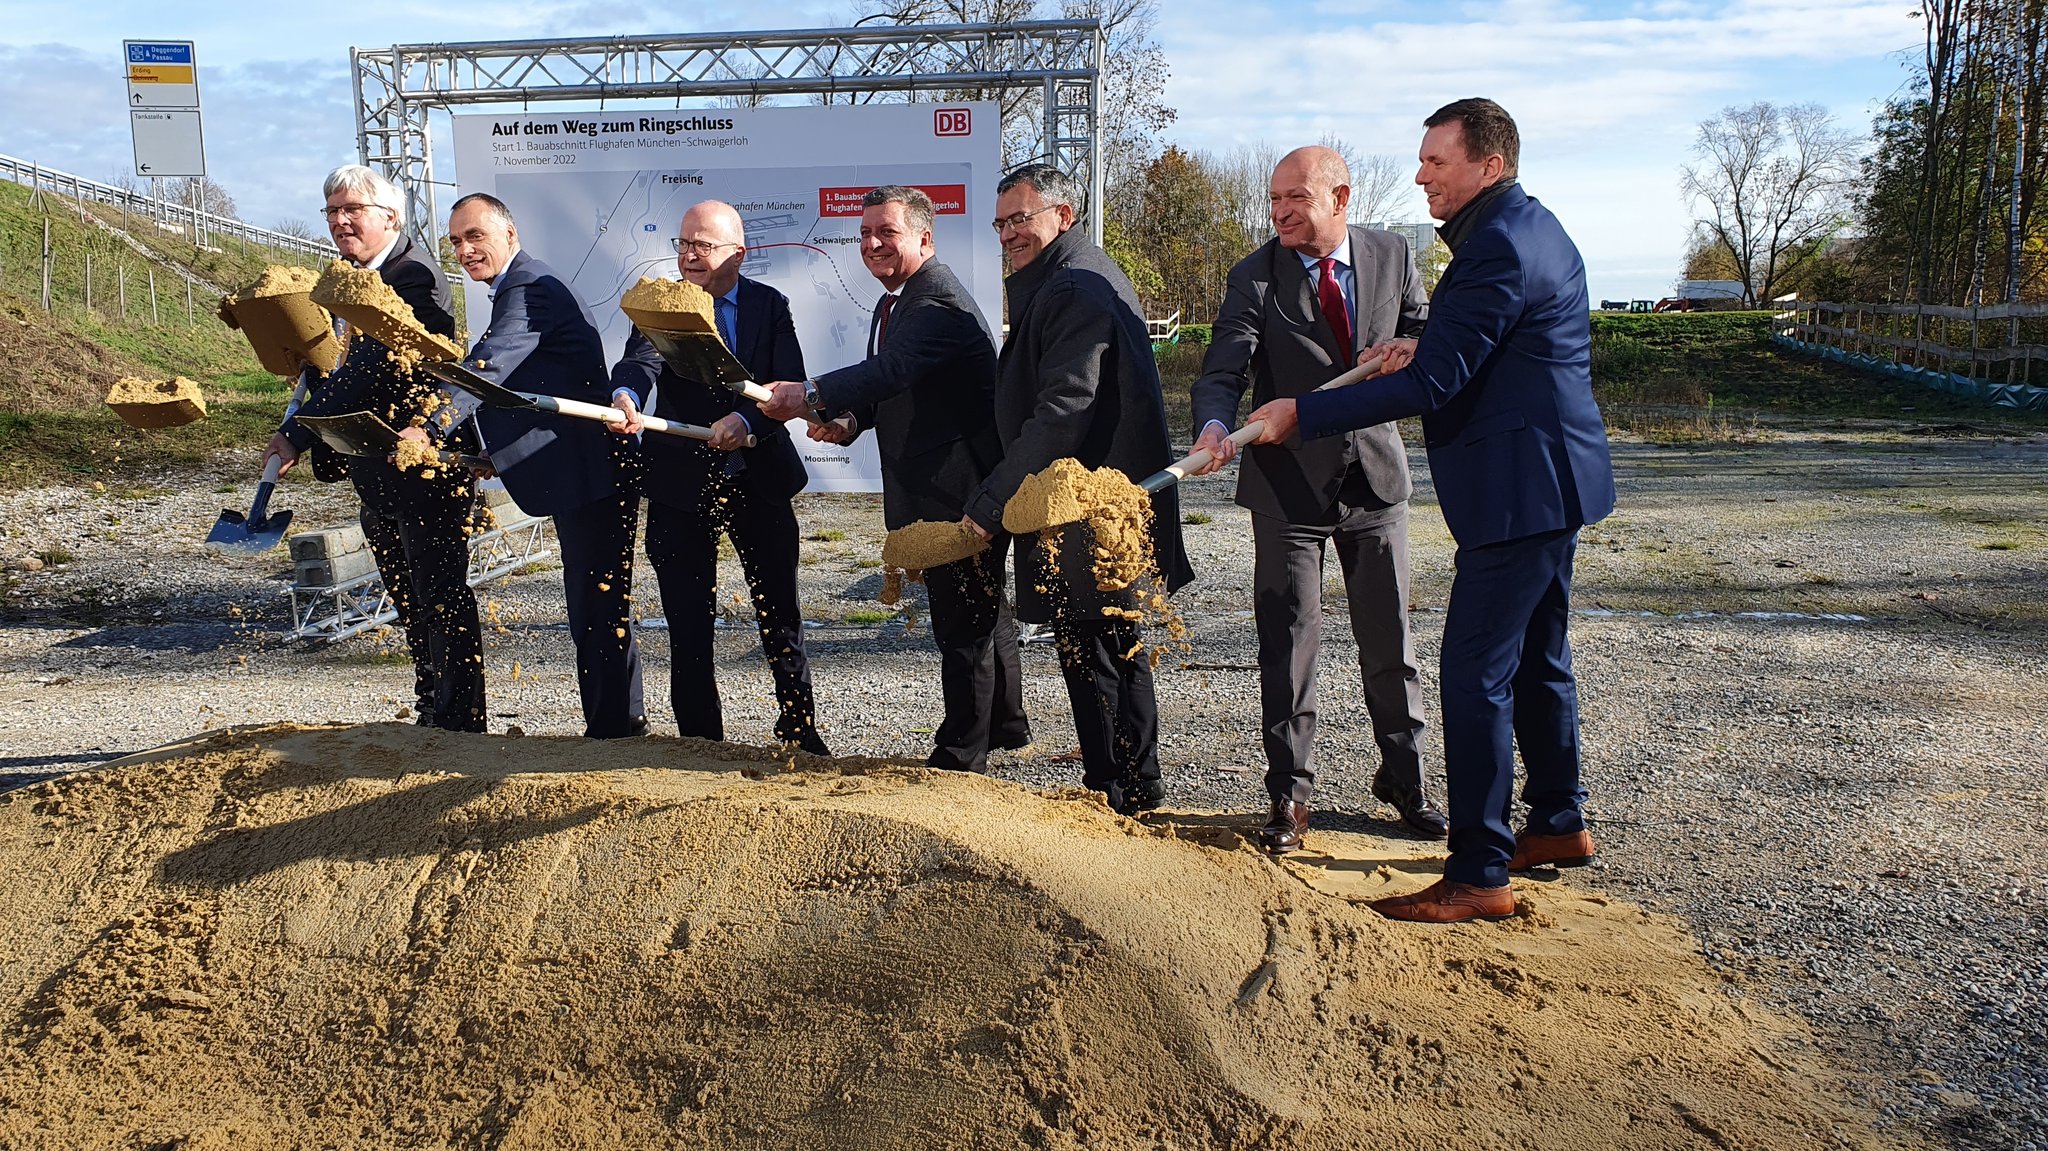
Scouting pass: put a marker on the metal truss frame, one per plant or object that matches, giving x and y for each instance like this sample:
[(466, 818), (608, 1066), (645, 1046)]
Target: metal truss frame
[(346, 609), (1056, 62)]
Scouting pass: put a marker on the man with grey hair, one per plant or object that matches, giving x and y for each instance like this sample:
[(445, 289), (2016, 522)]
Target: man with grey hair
[(927, 388), (1077, 380), (417, 527), (1294, 314)]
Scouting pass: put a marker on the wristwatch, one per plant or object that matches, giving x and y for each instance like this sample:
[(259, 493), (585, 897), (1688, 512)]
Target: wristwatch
[(811, 398)]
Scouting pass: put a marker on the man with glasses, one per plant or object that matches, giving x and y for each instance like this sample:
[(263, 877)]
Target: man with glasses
[(417, 527), (1077, 380), (697, 490), (1295, 314), (927, 388)]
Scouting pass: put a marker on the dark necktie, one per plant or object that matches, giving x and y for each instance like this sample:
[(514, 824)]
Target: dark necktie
[(1331, 295), (882, 319)]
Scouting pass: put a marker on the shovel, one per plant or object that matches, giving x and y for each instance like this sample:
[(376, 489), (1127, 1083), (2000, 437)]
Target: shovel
[(703, 356), (363, 435), (1071, 508), (258, 531), (496, 395)]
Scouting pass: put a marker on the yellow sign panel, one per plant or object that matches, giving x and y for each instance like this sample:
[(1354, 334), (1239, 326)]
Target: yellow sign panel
[(160, 74)]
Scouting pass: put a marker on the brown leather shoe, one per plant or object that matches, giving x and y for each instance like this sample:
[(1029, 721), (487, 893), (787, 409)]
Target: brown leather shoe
[(1571, 850), (1284, 831), (1448, 902)]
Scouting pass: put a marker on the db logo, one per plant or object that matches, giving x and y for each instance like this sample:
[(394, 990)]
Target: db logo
[(953, 122)]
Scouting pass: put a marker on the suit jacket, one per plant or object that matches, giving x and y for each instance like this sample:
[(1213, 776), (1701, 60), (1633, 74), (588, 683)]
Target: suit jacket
[(1076, 378), (1270, 337), (929, 393), (541, 340), (1503, 381), (675, 469), (367, 379)]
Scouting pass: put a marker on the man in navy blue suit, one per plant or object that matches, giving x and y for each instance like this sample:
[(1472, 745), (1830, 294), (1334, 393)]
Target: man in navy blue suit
[(695, 491), (540, 340), (1502, 380)]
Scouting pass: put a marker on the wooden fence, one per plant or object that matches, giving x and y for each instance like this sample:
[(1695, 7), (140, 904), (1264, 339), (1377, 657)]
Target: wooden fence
[(1974, 343)]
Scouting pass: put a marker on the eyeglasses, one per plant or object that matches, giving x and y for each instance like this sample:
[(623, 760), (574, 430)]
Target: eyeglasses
[(352, 211), (698, 247), (1017, 221)]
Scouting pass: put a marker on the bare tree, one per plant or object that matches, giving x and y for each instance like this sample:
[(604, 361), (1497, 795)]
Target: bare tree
[(1771, 186), (1376, 181), (202, 193)]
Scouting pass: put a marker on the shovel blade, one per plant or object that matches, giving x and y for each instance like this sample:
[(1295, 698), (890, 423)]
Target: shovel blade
[(234, 532)]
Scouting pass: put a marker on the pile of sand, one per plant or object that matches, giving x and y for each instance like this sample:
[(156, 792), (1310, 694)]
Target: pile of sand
[(361, 297), (156, 403), (391, 937), (669, 306), (281, 321)]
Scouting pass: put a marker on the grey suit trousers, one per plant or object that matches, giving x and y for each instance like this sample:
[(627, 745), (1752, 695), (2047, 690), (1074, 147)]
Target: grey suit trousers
[(1287, 588)]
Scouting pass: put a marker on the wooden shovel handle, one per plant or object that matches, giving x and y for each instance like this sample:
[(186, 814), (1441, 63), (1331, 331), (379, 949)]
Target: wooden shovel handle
[(1251, 431)]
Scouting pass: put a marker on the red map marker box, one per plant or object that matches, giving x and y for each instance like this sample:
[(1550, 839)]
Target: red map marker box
[(947, 199)]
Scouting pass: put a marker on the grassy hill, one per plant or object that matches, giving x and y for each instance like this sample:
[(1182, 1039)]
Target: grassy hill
[(56, 366), (1710, 375)]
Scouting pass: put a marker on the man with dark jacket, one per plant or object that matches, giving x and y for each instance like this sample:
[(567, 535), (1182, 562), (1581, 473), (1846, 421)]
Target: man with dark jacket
[(540, 340), (1502, 378), (927, 388), (1077, 380), (697, 490), (1294, 314), (417, 527)]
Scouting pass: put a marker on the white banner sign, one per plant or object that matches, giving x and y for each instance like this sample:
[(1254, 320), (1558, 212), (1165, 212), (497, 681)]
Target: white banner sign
[(167, 143), (599, 196)]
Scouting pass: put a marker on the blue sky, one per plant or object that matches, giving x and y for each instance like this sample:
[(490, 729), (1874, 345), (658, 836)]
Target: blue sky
[(1608, 95)]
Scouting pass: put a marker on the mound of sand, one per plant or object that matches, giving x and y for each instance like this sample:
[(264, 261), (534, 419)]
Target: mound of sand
[(361, 297), (282, 322), (390, 937)]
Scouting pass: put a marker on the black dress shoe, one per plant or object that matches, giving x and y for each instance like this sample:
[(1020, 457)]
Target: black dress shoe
[(1286, 829), (1010, 741), (1138, 795), (1418, 814), (632, 730)]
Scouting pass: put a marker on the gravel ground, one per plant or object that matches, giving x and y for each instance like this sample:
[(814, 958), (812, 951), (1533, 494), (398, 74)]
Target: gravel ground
[(1811, 671)]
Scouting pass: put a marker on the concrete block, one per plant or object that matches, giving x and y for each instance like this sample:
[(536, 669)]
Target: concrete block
[(328, 542), (331, 570)]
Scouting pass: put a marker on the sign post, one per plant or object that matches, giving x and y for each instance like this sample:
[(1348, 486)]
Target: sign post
[(163, 112)]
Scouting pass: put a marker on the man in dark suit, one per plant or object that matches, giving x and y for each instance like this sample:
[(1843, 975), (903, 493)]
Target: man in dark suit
[(696, 490), (1294, 314), (416, 527), (539, 339), (1502, 379), (927, 388), (1076, 379)]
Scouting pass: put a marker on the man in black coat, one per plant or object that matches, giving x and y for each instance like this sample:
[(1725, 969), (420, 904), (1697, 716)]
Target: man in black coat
[(696, 490), (418, 528), (540, 340), (1077, 379), (1296, 312), (927, 388)]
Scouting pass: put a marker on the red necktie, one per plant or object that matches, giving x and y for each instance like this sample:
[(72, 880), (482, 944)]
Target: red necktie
[(1331, 295), (882, 319)]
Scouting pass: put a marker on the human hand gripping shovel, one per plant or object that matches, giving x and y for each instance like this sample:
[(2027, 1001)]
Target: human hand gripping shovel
[(258, 531), (496, 395)]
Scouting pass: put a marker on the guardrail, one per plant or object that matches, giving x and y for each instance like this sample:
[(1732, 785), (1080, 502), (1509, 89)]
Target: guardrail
[(181, 216), (1940, 346)]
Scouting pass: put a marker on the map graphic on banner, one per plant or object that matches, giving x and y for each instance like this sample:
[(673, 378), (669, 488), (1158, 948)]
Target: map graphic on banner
[(599, 198)]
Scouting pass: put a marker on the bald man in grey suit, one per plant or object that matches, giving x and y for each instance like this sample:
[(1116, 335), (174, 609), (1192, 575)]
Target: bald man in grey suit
[(1296, 313)]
